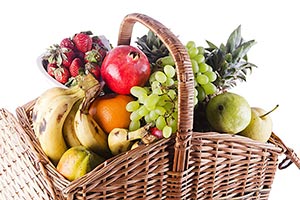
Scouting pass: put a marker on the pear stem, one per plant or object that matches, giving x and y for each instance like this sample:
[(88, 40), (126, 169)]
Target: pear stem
[(269, 111)]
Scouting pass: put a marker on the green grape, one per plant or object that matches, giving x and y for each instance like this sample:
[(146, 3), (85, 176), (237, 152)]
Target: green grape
[(172, 122), (142, 111), (195, 66), (169, 82), (193, 52), (160, 77), (199, 58), (137, 91), (160, 122), (195, 100), (201, 94), (162, 100), (153, 115), (151, 101), (209, 88), (155, 84), (211, 76), (201, 50), (167, 131), (132, 106), (157, 91), (134, 125), (169, 71), (167, 60), (135, 116), (152, 78), (143, 98), (148, 118), (172, 94), (160, 110), (203, 67), (202, 79), (190, 44)]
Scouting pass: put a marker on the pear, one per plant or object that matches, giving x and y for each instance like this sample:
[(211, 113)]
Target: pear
[(261, 126), (77, 161), (228, 112)]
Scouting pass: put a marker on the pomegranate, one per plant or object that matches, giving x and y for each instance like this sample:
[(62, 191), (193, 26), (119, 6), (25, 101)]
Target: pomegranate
[(125, 66)]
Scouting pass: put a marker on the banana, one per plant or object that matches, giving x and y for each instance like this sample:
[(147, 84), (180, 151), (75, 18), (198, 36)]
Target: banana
[(69, 133), (120, 139), (90, 133), (50, 112), (44, 101), (49, 130)]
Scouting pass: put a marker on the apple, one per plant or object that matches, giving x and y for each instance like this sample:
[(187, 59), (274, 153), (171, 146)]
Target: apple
[(125, 66), (260, 127)]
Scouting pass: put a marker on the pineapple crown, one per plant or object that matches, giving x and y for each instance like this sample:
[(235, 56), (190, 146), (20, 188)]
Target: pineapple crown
[(230, 61)]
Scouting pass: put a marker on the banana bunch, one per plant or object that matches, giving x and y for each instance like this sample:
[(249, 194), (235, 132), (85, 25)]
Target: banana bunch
[(60, 120)]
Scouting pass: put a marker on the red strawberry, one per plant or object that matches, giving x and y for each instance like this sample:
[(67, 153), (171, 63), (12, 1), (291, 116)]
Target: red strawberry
[(94, 69), (51, 67), (75, 67), (83, 42), (67, 43), (67, 56), (62, 75)]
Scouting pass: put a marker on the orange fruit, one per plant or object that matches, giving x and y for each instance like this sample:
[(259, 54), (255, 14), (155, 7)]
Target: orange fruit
[(109, 111)]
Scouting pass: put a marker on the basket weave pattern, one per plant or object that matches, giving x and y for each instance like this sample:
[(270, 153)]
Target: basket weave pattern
[(189, 165)]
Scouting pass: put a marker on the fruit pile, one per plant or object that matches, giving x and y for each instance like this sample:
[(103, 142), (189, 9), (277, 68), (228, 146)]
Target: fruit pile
[(132, 99)]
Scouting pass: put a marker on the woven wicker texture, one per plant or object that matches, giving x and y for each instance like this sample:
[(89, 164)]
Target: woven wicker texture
[(20, 177), (190, 165)]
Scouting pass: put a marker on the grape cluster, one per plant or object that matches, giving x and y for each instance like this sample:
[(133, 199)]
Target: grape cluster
[(203, 73), (157, 102)]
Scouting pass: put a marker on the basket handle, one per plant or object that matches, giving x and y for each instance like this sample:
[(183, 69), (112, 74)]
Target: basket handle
[(185, 79), (291, 156)]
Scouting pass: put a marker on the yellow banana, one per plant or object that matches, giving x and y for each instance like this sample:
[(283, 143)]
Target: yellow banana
[(44, 101), (90, 134), (69, 133), (49, 130)]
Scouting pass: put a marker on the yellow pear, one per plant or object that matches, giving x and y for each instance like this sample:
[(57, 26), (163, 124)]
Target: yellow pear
[(260, 127), (77, 161)]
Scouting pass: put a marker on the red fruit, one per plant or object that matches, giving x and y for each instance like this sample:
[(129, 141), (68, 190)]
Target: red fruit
[(62, 75), (124, 67), (156, 132), (83, 42), (67, 56), (75, 67), (94, 69), (51, 67), (67, 43)]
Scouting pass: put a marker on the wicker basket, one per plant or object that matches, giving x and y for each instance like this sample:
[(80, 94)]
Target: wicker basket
[(190, 165)]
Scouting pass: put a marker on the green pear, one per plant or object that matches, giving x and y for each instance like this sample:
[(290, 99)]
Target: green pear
[(77, 161), (260, 127), (228, 112)]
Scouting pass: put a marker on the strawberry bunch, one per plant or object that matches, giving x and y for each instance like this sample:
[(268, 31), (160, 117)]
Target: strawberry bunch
[(78, 55)]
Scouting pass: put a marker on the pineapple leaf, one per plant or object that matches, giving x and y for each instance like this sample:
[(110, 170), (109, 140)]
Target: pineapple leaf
[(211, 45), (234, 39), (242, 50)]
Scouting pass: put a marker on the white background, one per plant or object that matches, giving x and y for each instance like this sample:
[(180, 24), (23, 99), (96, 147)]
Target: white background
[(29, 27)]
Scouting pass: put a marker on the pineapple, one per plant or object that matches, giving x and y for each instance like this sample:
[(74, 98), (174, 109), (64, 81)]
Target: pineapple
[(152, 46), (230, 61)]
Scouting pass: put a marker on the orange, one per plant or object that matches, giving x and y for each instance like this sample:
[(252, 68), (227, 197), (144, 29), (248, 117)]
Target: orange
[(109, 111)]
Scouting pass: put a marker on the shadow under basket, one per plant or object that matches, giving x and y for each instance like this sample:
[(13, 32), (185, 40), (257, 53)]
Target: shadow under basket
[(189, 165)]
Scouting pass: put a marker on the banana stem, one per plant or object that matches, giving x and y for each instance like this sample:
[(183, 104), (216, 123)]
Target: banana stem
[(269, 111)]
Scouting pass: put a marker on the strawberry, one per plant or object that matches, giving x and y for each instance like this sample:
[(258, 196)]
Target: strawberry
[(51, 67), (94, 69), (93, 56), (67, 56), (83, 41), (62, 74), (75, 67), (67, 43)]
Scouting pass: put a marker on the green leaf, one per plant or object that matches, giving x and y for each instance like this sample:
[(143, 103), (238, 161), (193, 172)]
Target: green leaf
[(234, 39), (211, 45)]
